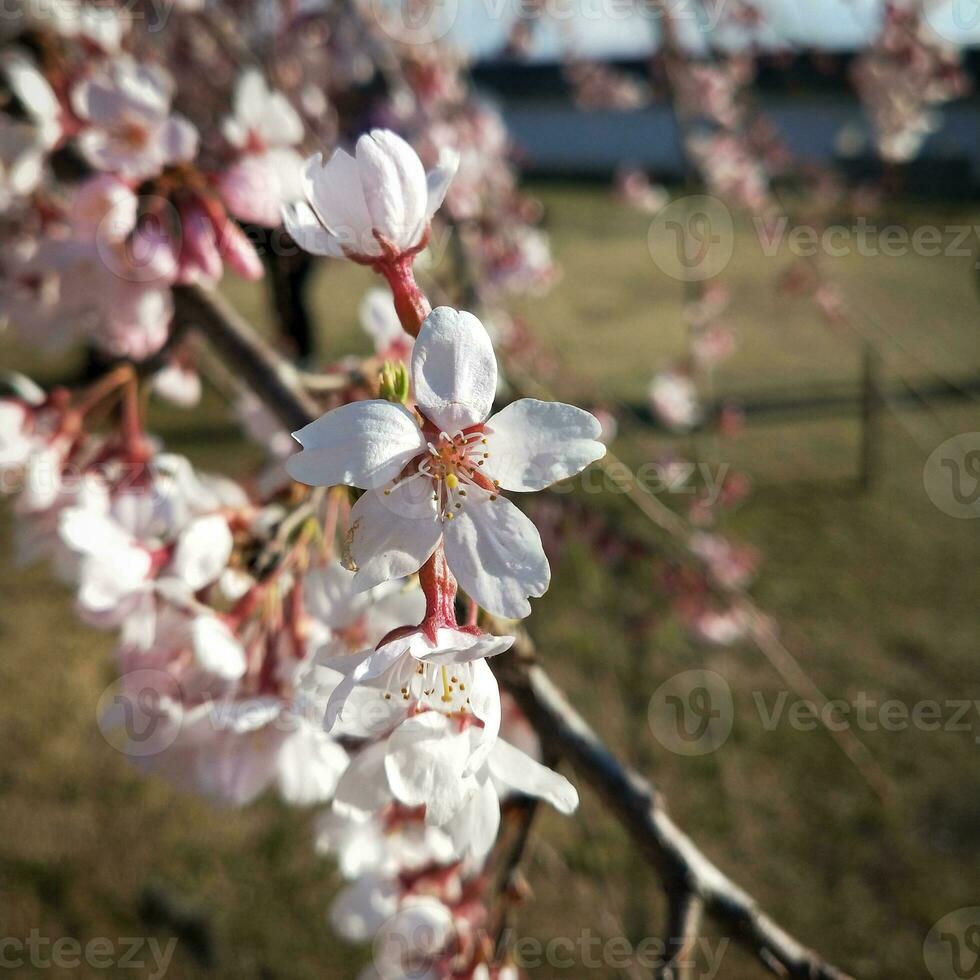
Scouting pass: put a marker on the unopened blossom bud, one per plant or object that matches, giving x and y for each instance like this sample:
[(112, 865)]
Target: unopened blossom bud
[(373, 208), (236, 249), (394, 385)]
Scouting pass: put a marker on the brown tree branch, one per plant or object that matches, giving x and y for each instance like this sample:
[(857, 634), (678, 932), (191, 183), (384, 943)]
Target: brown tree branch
[(639, 807), (687, 875), (251, 359)]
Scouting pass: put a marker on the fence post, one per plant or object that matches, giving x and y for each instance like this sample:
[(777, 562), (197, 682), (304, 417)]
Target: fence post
[(871, 405)]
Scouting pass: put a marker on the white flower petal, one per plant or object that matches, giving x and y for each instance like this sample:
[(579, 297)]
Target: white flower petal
[(379, 319), (177, 140), (331, 597), (404, 605), (363, 907), (454, 370), (439, 179), (203, 550), (384, 543), (308, 231), (282, 125), (520, 772), (251, 93), (363, 788), (453, 649), (85, 529), (533, 444), (374, 664), (485, 705), (368, 714), (394, 185), (216, 650), (309, 765), (425, 763), (412, 941), (496, 555), (474, 828), (334, 192), (363, 444)]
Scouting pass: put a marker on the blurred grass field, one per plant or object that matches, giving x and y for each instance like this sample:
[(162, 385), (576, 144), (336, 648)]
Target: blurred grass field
[(875, 593)]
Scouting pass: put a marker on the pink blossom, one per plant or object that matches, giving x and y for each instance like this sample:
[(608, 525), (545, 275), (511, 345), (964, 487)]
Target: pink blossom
[(131, 131)]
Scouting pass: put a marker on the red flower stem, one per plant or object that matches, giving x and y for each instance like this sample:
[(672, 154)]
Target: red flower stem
[(133, 438), (439, 587), (411, 304)]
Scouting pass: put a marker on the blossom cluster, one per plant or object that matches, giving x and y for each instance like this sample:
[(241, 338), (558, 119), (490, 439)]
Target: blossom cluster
[(151, 205), (271, 637), (313, 649), (903, 77)]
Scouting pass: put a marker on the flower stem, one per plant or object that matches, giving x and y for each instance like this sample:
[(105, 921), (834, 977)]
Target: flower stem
[(439, 587), (411, 304)]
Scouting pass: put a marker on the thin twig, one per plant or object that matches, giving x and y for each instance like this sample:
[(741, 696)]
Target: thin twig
[(258, 365), (684, 914), (639, 807)]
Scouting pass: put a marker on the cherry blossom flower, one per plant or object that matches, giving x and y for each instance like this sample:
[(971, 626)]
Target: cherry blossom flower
[(118, 569), (633, 188), (376, 203), (24, 142), (732, 566), (431, 760), (440, 481), (385, 844), (717, 627), (233, 751), (443, 673), (261, 117), (410, 942), (132, 132), (353, 619), (264, 128), (90, 281), (361, 908)]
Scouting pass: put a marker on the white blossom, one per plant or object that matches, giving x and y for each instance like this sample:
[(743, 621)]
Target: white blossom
[(441, 480), (132, 131), (356, 206)]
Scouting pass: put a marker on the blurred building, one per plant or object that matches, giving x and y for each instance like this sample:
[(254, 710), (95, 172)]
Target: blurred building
[(809, 98)]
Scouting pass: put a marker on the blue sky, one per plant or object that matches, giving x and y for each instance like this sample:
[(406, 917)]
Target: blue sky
[(608, 27)]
